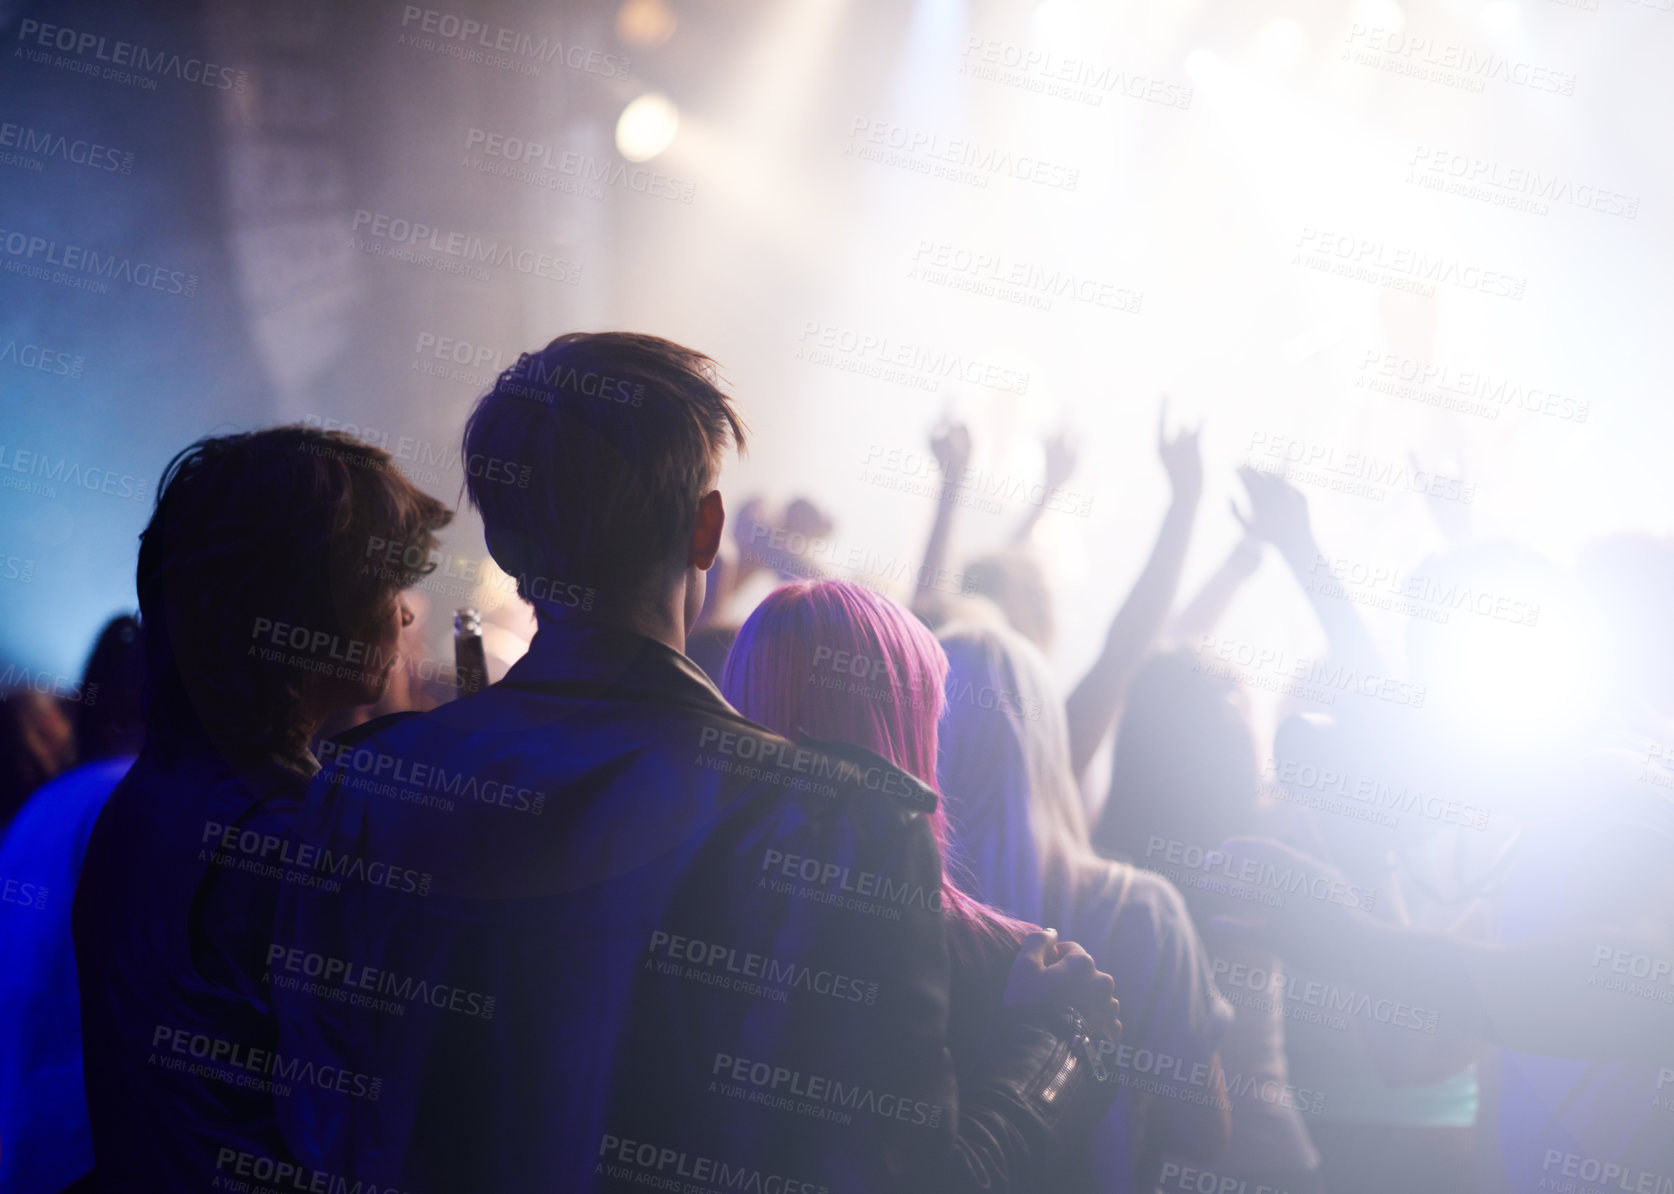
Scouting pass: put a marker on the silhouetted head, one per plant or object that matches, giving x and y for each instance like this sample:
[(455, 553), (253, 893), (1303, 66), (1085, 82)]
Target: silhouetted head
[(1185, 768), (591, 462), (1007, 780), (268, 588), (1015, 581), (110, 719), (36, 744), (841, 662)]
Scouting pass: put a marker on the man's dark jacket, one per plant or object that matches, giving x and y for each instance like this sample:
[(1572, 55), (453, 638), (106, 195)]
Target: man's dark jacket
[(592, 929)]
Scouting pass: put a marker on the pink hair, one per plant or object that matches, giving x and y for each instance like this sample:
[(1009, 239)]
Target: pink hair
[(837, 661)]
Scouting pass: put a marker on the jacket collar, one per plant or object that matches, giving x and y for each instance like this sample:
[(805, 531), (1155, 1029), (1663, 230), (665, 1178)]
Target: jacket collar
[(581, 658), (588, 657)]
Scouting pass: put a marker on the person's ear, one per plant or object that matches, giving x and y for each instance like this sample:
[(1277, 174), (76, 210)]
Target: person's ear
[(706, 530)]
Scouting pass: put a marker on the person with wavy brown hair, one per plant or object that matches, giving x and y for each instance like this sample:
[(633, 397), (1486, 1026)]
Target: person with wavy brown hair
[(259, 618)]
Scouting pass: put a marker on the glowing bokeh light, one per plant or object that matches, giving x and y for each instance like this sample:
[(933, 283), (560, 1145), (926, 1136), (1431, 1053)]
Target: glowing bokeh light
[(647, 127)]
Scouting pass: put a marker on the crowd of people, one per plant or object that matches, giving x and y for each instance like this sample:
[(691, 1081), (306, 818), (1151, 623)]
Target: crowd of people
[(749, 878)]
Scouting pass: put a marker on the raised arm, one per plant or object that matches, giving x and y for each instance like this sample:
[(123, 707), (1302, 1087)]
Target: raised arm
[(1204, 612), (1279, 515), (1093, 706), (1060, 467), (788, 542), (740, 558), (951, 443)]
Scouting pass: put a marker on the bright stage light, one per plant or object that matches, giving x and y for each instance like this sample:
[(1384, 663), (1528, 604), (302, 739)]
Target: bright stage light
[(1499, 17), (1380, 14), (1205, 67), (1056, 19), (1502, 676), (647, 127), (1281, 43), (1512, 667), (645, 24)]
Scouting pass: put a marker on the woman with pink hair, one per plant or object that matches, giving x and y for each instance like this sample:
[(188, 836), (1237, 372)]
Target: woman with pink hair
[(838, 666), (835, 662)]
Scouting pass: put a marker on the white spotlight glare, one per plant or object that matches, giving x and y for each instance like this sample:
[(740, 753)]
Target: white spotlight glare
[(1499, 17), (1513, 668), (1514, 687), (647, 127), (1056, 20), (1380, 14), (1204, 66), (1281, 43)]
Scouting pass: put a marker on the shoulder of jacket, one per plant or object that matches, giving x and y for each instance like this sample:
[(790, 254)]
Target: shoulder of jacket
[(802, 760), (869, 771), (333, 748)]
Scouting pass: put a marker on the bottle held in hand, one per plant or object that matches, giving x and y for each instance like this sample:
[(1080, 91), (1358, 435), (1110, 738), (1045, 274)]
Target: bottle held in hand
[(469, 660)]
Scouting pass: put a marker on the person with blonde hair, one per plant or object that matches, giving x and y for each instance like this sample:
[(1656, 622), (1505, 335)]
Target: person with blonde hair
[(1020, 838)]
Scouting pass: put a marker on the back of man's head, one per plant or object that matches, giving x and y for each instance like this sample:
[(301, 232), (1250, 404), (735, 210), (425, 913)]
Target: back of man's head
[(587, 461)]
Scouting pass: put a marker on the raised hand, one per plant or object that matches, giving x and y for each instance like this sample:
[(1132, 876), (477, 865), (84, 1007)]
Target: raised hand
[(951, 443), (803, 517), (1181, 458), (1061, 454), (749, 524), (1278, 511)]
